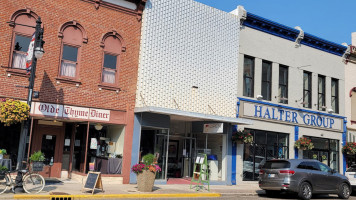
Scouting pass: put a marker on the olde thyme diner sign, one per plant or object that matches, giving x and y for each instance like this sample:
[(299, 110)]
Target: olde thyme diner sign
[(70, 112), (291, 116)]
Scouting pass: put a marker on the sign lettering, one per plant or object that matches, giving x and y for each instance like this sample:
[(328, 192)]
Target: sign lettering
[(292, 116), (71, 112)]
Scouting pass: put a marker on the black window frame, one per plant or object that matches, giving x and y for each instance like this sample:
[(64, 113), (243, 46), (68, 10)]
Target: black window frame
[(266, 81), (283, 83), (321, 93), (251, 78), (336, 96), (307, 103)]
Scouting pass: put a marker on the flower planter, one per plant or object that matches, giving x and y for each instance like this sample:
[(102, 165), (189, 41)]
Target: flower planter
[(37, 166), (2, 175), (1, 156), (145, 181)]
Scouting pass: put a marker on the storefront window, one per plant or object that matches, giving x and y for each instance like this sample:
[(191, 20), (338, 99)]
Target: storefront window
[(9, 137), (105, 148), (325, 150), (266, 146)]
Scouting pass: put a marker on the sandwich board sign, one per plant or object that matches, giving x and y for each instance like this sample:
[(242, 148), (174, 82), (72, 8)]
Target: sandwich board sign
[(93, 182)]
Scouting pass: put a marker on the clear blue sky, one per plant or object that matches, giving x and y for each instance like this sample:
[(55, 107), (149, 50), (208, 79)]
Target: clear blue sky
[(333, 20)]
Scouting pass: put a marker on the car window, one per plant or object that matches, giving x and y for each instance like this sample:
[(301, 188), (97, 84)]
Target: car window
[(309, 165), (314, 166), (302, 165), (276, 164), (324, 168)]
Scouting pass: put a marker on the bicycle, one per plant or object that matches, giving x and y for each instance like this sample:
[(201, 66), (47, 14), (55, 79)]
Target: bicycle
[(31, 182)]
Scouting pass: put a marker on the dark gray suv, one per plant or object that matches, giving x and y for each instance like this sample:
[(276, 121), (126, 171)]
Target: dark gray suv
[(303, 176)]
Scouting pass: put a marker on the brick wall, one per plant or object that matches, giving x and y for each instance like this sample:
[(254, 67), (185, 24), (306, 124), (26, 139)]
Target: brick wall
[(96, 23)]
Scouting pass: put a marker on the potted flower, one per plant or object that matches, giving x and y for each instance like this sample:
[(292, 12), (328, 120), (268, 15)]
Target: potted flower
[(304, 143), (3, 170), (2, 153), (36, 160), (146, 173), (242, 136), (349, 148), (13, 111)]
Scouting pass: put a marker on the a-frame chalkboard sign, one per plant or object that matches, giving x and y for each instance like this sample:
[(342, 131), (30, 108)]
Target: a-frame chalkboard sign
[(93, 182), (200, 170)]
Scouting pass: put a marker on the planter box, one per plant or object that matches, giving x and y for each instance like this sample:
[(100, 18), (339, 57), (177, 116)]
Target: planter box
[(37, 166), (145, 181)]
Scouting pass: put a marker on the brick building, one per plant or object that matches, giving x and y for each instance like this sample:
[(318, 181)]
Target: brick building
[(86, 81)]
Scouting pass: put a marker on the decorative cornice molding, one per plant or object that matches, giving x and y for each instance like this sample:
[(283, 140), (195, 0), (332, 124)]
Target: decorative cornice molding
[(288, 33), (115, 34), (27, 11), (76, 24), (138, 12)]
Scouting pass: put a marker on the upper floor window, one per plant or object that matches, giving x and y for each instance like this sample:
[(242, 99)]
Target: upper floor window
[(307, 90), (321, 93), (248, 76), (335, 95), (73, 36), (21, 37), (113, 45), (283, 84), (266, 80)]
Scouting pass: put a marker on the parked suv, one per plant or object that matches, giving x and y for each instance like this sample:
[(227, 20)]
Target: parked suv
[(303, 176), (351, 175)]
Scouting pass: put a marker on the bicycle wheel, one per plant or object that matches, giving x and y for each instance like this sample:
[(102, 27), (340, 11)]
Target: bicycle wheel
[(33, 183), (4, 183)]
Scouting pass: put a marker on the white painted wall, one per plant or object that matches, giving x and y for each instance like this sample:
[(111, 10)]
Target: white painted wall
[(350, 82), (184, 44), (264, 46), (268, 47)]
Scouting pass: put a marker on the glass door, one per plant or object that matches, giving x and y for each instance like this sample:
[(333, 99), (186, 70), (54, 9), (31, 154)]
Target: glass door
[(161, 147)]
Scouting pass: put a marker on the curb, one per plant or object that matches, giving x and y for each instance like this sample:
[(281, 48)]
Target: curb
[(118, 196), (238, 194)]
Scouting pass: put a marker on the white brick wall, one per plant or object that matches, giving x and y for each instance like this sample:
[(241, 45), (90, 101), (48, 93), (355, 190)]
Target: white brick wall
[(185, 43)]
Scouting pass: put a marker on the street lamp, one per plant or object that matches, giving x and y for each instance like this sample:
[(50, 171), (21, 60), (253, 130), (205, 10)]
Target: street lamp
[(38, 53)]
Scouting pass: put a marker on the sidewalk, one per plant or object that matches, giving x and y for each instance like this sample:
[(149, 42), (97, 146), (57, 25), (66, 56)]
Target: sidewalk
[(73, 188)]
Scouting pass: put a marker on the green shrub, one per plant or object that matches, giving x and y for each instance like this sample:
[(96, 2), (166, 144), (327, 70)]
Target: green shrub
[(148, 159), (37, 157), (3, 168)]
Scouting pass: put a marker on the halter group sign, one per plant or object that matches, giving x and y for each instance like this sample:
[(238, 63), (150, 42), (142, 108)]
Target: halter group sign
[(292, 116)]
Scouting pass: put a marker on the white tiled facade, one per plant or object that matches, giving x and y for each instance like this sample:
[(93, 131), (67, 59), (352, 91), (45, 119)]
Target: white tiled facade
[(185, 45)]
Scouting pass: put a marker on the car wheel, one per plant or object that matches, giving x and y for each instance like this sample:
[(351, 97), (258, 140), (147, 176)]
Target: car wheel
[(344, 191), (305, 191)]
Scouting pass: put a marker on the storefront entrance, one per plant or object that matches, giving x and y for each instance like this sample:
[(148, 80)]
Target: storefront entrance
[(49, 140), (177, 152), (155, 141)]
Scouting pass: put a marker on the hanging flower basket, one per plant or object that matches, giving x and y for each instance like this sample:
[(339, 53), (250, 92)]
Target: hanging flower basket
[(13, 111), (242, 136), (304, 143), (349, 148)]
